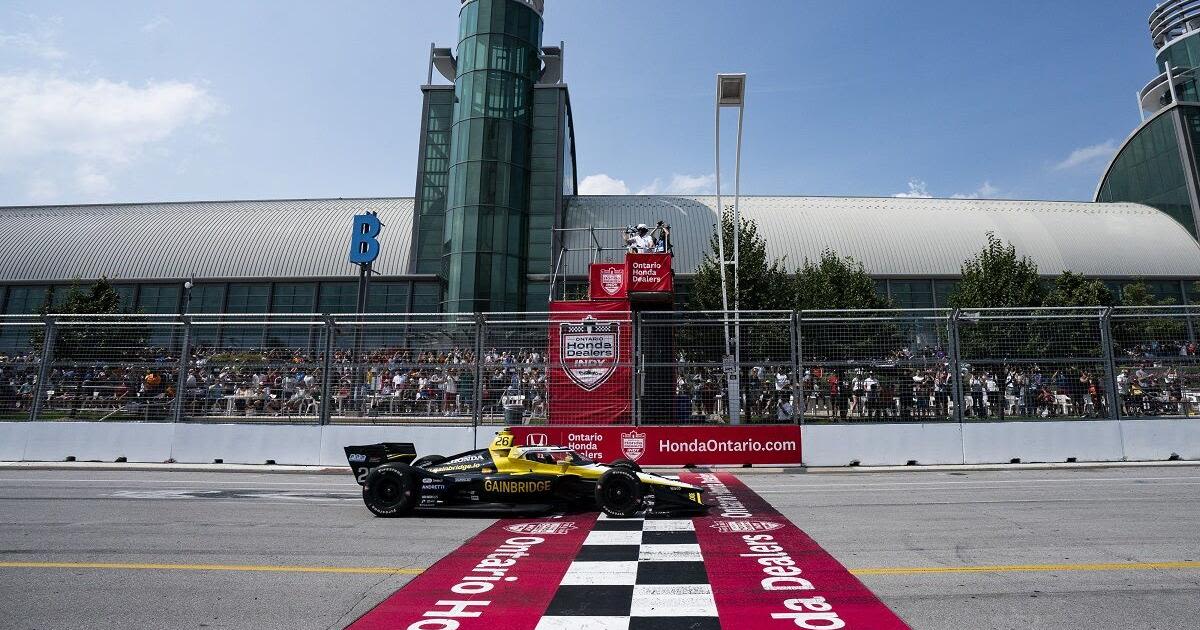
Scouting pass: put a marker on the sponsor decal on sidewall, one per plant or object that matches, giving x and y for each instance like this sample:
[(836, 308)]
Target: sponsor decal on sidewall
[(673, 446)]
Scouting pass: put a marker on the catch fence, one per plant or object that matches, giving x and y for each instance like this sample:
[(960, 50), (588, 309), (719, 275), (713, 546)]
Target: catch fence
[(777, 367)]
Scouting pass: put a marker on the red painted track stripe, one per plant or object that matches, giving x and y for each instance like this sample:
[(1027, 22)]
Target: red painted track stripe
[(767, 573), (515, 566)]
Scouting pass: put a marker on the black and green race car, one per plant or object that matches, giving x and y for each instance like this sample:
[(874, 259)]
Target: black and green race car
[(395, 482)]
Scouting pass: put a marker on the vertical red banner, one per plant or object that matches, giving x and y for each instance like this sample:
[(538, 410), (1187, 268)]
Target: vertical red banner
[(590, 352), (606, 281), (649, 273)]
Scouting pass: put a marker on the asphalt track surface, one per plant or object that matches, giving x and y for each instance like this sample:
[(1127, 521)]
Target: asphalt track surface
[(1072, 548)]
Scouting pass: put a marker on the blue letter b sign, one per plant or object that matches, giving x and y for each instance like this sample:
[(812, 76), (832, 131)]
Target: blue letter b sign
[(364, 245)]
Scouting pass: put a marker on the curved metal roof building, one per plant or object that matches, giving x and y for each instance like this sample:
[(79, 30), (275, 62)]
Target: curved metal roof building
[(306, 238)]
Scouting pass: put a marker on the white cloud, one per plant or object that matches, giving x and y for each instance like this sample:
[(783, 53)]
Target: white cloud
[(155, 23), (38, 41), (88, 128), (1091, 156), (682, 185), (985, 191), (917, 189), (601, 184)]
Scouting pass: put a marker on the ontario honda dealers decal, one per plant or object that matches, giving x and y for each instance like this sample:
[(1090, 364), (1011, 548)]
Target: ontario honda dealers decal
[(673, 445), (589, 378), (588, 351)]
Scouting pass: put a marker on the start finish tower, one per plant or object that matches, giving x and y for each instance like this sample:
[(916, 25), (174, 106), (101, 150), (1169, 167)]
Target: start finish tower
[(496, 161)]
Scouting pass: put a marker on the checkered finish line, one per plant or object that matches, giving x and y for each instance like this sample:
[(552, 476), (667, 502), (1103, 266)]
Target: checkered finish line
[(743, 566), (635, 574)]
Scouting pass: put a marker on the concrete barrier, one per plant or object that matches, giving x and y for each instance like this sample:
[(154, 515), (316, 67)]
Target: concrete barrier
[(429, 440), (823, 445), (247, 443), (1158, 439), (13, 436), (882, 444), (98, 441), (1042, 441)]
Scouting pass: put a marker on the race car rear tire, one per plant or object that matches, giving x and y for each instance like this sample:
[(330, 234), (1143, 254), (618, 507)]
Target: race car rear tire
[(626, 463), (619, 493), (428, 460), (391, 491)]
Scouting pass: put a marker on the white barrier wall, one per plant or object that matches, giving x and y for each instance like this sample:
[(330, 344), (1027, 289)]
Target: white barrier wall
[(1151, 440), (429, 440), (881, 444), (103, 441), (205, 443), (1002, 442), (824, 445)]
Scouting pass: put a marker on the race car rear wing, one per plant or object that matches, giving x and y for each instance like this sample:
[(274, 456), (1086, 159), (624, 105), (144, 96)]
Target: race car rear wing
[(363, 458)]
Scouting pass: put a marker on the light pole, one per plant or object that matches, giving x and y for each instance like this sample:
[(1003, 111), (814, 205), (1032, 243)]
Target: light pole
[(731, 92)]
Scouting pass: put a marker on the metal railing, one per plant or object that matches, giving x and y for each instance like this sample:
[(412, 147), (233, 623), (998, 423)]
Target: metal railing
[(499, 368)]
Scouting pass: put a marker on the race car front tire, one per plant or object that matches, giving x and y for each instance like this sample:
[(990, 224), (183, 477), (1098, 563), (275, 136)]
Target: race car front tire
[(619, 493), (391, 491)]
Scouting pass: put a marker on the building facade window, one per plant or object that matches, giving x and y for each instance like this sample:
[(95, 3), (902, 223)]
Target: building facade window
[(1149, 169), (158, 299), (293, 297), (338, 297)]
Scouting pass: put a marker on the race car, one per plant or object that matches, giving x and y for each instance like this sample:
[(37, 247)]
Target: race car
[(395, 482)]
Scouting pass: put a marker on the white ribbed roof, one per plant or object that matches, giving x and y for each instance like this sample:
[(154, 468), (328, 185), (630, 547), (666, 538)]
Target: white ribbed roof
[(309, 238), (288, 238), (916, 237)]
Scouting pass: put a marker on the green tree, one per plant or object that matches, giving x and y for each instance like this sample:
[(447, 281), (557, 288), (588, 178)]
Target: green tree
[(762, 282), (834, 282), (1138, 294), (1140, 327), (1072, 289), (997, 278)]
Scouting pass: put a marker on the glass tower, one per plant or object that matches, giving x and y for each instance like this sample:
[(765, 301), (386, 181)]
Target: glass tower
[(496, 160), (1157, 165)]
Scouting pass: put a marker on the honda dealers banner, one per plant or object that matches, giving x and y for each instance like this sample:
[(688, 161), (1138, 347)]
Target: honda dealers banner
[(649, 273), (590, 354), (606, 281), (673, 445)]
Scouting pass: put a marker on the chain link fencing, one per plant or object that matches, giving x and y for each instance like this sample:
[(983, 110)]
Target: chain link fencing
[(647, 368)]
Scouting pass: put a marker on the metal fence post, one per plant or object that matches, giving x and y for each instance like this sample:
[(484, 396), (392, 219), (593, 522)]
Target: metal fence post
[(635, 364), (1110, 364), (955, 370), (327, 372), (39, 392), (797, 339), (185, 352), (477, 404)]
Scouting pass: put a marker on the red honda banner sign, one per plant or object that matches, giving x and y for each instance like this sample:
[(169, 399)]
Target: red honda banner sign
[(590, 354), (607, 281), (649, 273), (673, 445)]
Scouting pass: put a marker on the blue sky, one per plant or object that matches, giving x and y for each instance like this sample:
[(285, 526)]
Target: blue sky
[(140, 101)]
